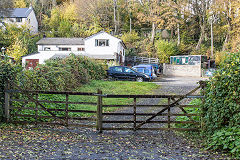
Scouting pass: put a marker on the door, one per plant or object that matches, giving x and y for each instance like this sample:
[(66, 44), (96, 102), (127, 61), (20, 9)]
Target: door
[(31, 63), (129, 74)]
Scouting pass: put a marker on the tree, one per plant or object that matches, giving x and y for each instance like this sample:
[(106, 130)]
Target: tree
[(4, 7)]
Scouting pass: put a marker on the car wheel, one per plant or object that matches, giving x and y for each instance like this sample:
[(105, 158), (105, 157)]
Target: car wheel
[(139, 79)]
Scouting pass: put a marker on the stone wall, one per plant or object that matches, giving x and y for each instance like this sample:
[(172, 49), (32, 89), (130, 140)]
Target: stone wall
[(182, 70)]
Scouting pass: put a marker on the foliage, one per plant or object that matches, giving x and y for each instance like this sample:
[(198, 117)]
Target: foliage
[(222, 105), (62, 74), (8, 71), (190, 110), (18, 41), (130, 37), (227, 138), (220, 57), (165, 49)]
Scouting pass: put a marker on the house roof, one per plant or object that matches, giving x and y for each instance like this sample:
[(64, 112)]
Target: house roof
[(61, 41), (64, 55), (16, 12)]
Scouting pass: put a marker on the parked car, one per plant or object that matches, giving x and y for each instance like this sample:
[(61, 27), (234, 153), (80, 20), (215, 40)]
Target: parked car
[(126, 73), (155, 66), (146, 69)]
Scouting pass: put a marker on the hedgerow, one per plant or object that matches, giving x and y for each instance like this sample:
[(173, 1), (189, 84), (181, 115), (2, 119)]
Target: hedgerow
[(62, 74), (8, 71), (221, 110)]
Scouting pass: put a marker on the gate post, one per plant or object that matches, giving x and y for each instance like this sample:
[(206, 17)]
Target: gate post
[(99, 112), (6, 102), (202, 85)]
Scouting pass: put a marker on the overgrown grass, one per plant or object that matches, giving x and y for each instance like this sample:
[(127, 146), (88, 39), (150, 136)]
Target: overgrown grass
[(107, 87)]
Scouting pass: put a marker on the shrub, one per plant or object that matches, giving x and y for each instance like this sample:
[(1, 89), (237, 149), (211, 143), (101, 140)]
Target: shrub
[(62, 74), (221, 110), (227, 139), (129, 38), (165, 49), (220, 57), (8, 71), (222, 103)]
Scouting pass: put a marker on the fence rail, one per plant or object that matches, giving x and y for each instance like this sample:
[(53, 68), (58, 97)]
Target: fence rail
[(69, 113)]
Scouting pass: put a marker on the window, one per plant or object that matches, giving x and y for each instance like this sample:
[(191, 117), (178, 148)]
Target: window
[(47, 49), (117, 69), (102, 42), (18, 19), (81, 49), (64, 49), (128, 70)]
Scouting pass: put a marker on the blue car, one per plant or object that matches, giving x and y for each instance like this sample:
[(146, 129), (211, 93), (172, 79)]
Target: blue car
[(146, 69)]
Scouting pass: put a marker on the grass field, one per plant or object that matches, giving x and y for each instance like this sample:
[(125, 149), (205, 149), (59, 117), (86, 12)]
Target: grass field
[(107, 87)]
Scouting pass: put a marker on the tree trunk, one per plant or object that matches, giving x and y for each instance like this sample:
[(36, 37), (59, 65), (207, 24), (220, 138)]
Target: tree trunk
[(178, 31), (227, 36), (201, 37), (130, 24), (153, 32), (211, 38), (115, 16)]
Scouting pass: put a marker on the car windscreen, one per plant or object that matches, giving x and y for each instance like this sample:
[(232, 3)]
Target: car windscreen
[(143, 70)]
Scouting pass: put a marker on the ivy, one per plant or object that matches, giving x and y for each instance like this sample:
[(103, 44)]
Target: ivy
[(221, 110), (8, 71)]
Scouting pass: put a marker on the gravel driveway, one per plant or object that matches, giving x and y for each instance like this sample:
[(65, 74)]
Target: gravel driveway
[(31, 142)]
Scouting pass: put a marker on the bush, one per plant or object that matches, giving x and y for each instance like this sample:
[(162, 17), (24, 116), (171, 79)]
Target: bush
[(227, 139), (220, 57), (222, 103), (130, 38), (165, 49), (62, 74), (8, 71), (221, 110)]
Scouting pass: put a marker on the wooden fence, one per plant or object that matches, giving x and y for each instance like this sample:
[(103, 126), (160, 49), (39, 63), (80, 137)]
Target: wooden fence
[(33, 108)]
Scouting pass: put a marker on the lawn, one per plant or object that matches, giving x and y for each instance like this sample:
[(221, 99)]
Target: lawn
[(107, 87)]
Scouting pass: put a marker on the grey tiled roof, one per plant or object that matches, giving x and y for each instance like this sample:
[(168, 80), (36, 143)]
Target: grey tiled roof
[(15, 12), (61, 41), (64, 55)]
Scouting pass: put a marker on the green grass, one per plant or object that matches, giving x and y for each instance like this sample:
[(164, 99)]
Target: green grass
[(107, 87)]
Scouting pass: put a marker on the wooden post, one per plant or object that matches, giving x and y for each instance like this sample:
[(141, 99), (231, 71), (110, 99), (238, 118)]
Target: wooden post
[(99, 112), (169, 112), (203, 92), (6, 103), (134, 113), (36, 110), (66, 110)]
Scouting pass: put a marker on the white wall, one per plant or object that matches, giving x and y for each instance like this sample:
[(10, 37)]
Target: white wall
[(102, 50), (74, 48), (182, 70), (33, 25), (40, 56)]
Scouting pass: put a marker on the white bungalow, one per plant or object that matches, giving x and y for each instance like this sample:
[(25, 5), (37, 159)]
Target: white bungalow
[(102, 46), (20, 16)]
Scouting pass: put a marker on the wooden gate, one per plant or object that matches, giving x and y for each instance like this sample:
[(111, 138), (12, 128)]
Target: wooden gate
[(134, 120), (61, 108), (50, 107)]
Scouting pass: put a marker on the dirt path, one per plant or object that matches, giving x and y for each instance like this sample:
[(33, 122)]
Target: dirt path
[(79, 143)]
